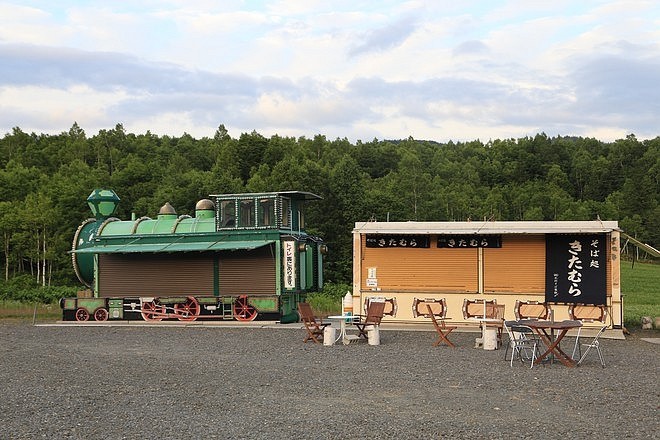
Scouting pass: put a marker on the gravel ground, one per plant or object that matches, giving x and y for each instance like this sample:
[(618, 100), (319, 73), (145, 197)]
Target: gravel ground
[(256, 383)]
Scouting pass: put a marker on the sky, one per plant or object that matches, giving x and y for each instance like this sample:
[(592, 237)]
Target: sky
[(357, 70)]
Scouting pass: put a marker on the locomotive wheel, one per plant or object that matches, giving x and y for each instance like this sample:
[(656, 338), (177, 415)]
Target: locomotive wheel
[(188, 311), (243, 311), (101, 314), (82, 315), (152, 312)]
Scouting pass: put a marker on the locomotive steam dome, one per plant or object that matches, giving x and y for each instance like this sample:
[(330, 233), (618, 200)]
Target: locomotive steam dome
[(204, 205), (205, 208), (166, 209)]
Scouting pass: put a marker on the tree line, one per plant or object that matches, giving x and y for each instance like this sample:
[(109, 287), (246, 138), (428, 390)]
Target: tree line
[(45, 180)]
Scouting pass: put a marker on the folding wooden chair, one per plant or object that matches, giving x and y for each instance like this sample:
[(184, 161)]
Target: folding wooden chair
[(374, 316), (474, 308), (390, 304), (588, 313), (313, 325), (498, 313), (442, 329), (530, 310)]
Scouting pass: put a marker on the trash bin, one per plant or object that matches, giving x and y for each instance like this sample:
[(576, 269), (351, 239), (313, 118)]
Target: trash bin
[(329, 335), (490, 338), (373, 335)]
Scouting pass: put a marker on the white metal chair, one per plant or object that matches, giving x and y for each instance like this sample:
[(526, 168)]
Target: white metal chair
[(588, 313), (523, 342)]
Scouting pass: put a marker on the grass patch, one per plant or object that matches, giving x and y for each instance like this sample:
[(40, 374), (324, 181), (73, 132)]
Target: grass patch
[(23, 311), (324, 305), (640, 284)]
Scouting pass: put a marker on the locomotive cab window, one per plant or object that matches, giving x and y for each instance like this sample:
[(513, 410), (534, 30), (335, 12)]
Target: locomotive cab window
[(228, 213), (266, 212), (286, 213), (246, 214), (301, 217)]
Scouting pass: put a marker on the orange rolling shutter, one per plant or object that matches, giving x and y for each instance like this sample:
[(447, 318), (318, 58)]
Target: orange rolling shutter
[(517, 267), (421, 269)]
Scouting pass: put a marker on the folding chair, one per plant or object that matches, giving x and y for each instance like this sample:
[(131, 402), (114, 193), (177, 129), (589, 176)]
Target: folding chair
[(373, 317), (390, 304), (474, 308), (588, 313), (523, 342), (313, 325), (442, 329)]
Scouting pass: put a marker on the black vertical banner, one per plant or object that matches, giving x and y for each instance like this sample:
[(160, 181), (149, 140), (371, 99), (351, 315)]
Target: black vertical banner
[(576, 268)]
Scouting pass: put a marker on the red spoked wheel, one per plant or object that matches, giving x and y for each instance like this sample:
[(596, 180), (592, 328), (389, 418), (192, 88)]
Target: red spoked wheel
[(82, 315), (187, 311), (152, 311), (100, 314), (243, 311)]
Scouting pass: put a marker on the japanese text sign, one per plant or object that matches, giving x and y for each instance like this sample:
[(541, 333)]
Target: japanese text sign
[(576, 269), (469, 241), (402, 241)]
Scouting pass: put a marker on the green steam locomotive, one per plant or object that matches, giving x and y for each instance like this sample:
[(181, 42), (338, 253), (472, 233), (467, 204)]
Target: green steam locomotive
[(240, 257)]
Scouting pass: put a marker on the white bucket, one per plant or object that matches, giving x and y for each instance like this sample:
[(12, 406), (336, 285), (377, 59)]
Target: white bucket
[(373, 335), (329, 335), (490, 338)]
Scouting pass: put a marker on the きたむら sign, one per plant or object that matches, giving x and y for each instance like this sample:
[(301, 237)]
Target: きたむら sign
[(576, 268)]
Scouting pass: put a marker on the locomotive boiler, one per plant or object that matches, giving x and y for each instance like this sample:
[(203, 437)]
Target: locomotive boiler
[(239, 257)]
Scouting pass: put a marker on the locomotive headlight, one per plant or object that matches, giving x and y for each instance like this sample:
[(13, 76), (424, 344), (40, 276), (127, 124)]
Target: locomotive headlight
[(103, 202), (302, 246), (323, 249)]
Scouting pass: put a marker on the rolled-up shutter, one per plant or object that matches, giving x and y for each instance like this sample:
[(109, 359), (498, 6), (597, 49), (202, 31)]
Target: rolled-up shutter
[(420, 269), (248, 272), (517, 267), (126, 275)]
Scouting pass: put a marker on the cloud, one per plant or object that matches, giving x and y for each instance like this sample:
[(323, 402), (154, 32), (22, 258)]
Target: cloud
[(472, 47), (618, 83), (44, 109), (62, 68), (617, 91), (384, 38), (430, 70), (101, 89)]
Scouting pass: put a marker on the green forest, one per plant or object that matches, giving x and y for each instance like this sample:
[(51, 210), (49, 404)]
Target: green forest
[(45, 180)]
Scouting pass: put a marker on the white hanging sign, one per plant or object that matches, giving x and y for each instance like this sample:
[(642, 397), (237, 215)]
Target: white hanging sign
[(289, 264)]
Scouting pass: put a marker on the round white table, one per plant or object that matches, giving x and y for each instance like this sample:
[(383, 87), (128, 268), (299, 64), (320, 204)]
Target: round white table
[(343, 320), (483, 323)]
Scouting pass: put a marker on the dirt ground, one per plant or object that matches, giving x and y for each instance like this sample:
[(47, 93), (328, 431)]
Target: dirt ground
[(253, 383)]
